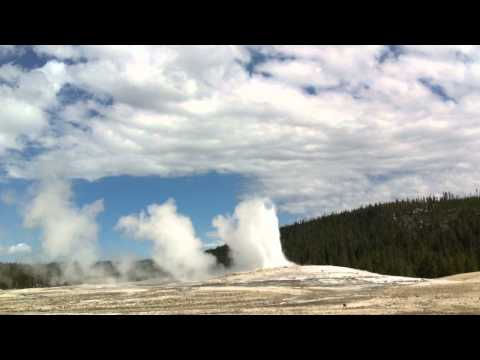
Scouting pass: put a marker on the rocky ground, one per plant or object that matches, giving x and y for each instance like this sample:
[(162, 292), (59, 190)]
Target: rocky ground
[(289, 290)]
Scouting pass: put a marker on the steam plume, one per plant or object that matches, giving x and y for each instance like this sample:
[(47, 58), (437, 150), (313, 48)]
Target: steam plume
[(176, 248), (253, 235), (68, 233)]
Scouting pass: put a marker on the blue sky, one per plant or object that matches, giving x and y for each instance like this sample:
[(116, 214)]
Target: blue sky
[(314, 128)]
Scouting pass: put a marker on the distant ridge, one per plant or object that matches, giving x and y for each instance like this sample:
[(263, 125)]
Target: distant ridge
[(18, 276)]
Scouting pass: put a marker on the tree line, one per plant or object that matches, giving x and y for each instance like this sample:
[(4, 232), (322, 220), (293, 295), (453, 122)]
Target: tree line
[(19, 276), (423, 237)]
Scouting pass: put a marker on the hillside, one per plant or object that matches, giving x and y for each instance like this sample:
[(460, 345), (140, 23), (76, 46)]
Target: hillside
[(426, 237)]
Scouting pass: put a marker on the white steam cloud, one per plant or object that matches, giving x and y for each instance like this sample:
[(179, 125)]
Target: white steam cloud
[(253, 235), (176, 248), (68, 233)]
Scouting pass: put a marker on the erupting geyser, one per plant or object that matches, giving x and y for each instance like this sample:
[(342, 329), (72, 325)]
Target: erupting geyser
[(253, 235), (175, 246), (69, 233)]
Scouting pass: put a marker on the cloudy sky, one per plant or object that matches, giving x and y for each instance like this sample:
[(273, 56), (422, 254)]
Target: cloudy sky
[(315, 128)]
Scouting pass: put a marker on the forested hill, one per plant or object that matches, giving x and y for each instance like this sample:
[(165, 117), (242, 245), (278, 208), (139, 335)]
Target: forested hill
[(426, 237)]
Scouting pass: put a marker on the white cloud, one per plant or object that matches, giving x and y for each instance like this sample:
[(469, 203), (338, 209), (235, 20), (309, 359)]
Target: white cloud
[(17, 249), (25, 98), (20, 248), (61, 52), (373, 132)]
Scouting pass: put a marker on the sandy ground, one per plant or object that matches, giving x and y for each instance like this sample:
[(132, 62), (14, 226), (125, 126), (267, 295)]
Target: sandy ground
[(290, 290)]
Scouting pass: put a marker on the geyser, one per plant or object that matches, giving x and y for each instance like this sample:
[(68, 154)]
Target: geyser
[(68, 233), (253, 235), (176, 248)]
